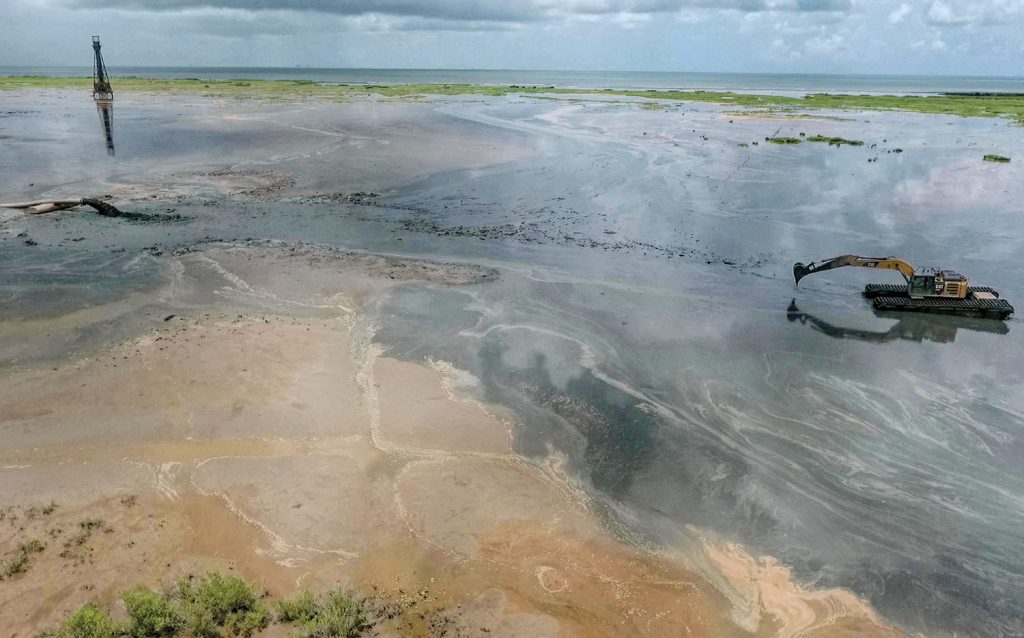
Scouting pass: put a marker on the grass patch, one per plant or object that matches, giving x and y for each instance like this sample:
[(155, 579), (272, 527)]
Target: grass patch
[(996, 158), (1010, 106), (22, 559), (214, 605), (210, 606), (835, 141), (336, 614), (783, 140)]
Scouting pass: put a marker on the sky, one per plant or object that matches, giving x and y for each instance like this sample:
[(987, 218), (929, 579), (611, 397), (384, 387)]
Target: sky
[(931, 37)]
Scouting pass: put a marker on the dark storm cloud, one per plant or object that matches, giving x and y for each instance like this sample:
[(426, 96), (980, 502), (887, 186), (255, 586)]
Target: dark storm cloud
[(474, 10), (500, 10)]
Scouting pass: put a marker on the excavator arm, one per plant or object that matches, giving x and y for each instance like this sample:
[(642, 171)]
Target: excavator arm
[(801, 270)]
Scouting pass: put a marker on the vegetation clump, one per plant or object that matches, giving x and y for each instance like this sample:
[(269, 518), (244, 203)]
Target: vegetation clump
[(88, 622), (152, 615), (22, 559), (835, 141), (653, 106), (336, 614), (215, 605), (214, 602), (783, 140), (997, 158)]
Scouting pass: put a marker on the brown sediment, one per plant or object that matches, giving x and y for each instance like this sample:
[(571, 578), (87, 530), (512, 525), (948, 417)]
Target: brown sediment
[(417, 411), (760, 586), (261, 431)]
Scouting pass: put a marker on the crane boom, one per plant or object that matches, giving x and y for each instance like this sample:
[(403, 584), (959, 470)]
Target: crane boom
[(886, 263), (101, 89)]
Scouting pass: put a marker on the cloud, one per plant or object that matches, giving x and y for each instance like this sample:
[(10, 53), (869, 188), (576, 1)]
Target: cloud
[(493, 11), (900, 13), (826, 46), (956, 13), (233, 23), (780, 50), (936, 44)]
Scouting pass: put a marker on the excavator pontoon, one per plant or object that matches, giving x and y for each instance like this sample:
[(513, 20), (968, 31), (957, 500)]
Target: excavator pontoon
[(926, 290)]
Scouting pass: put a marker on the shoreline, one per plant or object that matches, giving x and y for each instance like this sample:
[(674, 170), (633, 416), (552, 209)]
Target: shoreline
[(976, 104)]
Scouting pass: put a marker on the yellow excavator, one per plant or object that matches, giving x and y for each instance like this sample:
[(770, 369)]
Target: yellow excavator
[(926, 290)]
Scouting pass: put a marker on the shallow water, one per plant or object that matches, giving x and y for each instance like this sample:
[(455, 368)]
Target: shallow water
[(645, 324)]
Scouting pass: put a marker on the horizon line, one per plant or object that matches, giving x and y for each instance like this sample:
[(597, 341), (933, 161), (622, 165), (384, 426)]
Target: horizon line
[(509, 70)]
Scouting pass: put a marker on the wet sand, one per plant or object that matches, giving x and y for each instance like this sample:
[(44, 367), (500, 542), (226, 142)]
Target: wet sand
[(584, 413), (284, 446)]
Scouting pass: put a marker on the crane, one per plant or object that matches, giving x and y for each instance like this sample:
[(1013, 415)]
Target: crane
[(101, 89)]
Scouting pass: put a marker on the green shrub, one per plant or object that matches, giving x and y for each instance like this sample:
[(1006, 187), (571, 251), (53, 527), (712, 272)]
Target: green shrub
[(301, 608), (216, 605), (335, 615), (88, 622), (219, 606), (340, 615), (996, 158), (783, 140), (152, 615)]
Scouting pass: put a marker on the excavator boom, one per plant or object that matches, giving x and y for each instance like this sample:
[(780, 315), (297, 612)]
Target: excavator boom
[(801, 270)]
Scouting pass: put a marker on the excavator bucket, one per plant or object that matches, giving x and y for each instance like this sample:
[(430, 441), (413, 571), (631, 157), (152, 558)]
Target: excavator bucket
[(800, 271), (103, 208)]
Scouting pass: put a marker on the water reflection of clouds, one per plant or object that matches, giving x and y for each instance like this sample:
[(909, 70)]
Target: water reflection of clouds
[(958, 187), (527, 346)]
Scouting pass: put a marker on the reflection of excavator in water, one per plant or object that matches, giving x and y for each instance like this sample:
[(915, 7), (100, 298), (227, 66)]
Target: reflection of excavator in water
[(911, 327), (927, 290)]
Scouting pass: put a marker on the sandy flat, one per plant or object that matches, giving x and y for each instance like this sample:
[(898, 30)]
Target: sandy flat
[(258, 430), (418, 411)]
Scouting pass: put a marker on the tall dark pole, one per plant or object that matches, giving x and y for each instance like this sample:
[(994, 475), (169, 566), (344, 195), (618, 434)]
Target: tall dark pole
[(101, 89), (103, 94)]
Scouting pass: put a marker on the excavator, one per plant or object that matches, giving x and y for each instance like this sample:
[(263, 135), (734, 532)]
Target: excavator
[(926, 290)]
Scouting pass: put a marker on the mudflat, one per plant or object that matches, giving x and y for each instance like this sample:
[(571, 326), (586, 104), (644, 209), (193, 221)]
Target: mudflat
[(518, 363), (262, 431)]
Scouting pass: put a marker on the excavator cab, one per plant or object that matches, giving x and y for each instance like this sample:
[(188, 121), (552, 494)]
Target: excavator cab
[(934, 282)]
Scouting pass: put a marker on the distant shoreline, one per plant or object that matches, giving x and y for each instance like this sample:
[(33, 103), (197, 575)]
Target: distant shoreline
[(771, 83), (964, 104)]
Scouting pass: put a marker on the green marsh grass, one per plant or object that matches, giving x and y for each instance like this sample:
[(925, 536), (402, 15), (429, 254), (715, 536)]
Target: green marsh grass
[(1009, 106)]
